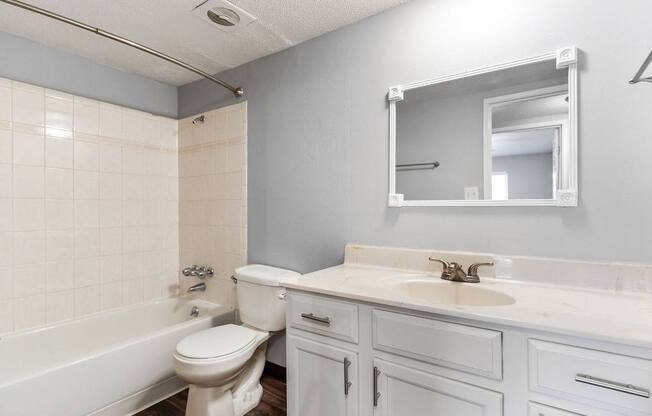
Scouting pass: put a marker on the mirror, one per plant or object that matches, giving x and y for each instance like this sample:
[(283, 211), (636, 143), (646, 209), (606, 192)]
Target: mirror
[(501, 135)]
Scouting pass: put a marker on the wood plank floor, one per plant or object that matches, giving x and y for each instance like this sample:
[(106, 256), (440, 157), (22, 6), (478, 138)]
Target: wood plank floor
[(273, 402)]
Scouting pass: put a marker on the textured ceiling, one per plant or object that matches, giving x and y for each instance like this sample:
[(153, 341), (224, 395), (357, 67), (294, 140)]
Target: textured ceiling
[(169, 26)]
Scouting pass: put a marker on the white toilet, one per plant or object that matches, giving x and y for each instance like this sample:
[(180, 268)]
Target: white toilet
[(223, 365)]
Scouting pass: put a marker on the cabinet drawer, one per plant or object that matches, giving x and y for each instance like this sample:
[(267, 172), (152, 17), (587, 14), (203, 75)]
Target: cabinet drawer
[(323, 316), (536, 409), (600, 377), (460, 347)]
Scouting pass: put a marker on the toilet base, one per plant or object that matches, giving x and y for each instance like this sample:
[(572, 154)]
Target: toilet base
[(235, 399)]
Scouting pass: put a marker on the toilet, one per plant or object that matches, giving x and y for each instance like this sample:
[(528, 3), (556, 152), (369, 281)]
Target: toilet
[(223, 365)]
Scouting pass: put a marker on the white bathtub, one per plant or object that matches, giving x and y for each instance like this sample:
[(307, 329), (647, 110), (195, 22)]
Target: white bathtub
[(115, 363)]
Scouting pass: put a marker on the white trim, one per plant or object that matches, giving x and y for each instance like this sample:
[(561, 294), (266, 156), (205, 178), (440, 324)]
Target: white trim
[(566, 195)]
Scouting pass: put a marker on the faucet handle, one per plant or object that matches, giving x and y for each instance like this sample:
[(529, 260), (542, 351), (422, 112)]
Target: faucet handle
[(473, 269), (444, 264)]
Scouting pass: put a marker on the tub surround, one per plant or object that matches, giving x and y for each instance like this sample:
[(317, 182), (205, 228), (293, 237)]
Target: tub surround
[(88, 207), (583, 306), (213, 198)]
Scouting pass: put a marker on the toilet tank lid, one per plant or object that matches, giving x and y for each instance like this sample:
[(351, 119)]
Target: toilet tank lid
[(261, 274)]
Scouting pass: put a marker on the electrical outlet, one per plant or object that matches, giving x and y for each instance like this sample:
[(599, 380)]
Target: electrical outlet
[(471, 193)]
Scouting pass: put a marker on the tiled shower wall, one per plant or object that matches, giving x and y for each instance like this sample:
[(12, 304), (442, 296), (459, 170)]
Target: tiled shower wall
[(88, 206), (213, 198)]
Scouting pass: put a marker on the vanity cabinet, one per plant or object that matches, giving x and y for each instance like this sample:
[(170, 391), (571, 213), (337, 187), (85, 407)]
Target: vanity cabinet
[(322, 380), (401, 390), (402, 362)]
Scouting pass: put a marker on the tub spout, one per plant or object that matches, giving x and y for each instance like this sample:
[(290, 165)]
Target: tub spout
[(199, 287)]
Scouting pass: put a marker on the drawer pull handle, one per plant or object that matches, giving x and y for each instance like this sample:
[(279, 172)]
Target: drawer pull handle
[(611, 385), (322, 320), (347, 383), (376, 392)]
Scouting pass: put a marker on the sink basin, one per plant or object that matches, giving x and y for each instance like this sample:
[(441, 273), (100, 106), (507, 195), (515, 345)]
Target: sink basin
[(452, 293)]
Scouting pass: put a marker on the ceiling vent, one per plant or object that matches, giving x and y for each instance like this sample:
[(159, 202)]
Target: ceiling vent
[(223, 15)]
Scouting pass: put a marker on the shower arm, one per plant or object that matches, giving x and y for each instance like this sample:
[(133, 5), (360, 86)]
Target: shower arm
[(237, 91)]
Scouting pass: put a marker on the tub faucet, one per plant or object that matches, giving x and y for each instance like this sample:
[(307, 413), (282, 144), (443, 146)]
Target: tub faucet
[(199, 287)]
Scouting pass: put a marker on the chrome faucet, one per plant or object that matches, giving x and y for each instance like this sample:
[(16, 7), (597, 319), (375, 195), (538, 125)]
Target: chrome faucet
[(454, 272), (199, 287), (200, 272)]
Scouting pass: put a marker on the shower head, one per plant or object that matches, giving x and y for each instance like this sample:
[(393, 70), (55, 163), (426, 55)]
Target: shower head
[(199, 120)]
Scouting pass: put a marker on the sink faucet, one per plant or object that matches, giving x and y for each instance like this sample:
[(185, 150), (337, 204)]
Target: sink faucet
[(199, 287), (454, 272)]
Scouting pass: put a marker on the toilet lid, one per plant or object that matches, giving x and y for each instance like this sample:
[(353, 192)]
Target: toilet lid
[(216, 342)]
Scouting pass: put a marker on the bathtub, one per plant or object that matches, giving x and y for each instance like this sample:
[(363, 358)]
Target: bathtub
[(114, 363)]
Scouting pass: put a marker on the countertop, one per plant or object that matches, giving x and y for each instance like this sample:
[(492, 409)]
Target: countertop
[(597, 314)]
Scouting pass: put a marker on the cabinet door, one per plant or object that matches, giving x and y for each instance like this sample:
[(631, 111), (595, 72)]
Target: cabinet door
[(317, 379), (406, 391)]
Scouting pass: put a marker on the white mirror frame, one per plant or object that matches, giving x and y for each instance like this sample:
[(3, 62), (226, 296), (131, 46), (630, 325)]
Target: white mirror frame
[(566, 194)]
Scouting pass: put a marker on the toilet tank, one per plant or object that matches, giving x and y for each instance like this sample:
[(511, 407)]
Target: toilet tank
[(261, 298)]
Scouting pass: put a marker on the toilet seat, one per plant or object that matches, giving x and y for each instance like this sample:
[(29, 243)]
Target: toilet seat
[(218, 342)]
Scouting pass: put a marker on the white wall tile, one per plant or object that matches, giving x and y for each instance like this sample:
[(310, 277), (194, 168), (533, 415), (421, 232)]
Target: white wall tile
[(6, 248), (86, 156), (110, 158), (5, 103), (87, 300), (29, 312), (6, 316), (87, 272), (59, 214), (60, 245), (87, 116), (29, 214), (59, 276), (58, 183), (28, 182), (110, 268), (132, 291), (6, 283), (29, 149), (110, 186), (86, 185), (58, 152), (110, 241), (111, 295), (87, 243), (6, 179), (29, 279), (28, 104), (6, 146), (28, 247), (58, 110), (133, 125), (60, 306), (110, 121)]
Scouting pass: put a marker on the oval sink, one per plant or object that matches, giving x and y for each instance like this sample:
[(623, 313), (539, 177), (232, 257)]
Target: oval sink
[(452, 293)]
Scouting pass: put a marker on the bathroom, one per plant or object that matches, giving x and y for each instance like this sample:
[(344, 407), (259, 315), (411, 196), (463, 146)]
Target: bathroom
[(345, 207)]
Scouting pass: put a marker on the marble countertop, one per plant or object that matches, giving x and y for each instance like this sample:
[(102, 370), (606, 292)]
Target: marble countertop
[(597, 314)]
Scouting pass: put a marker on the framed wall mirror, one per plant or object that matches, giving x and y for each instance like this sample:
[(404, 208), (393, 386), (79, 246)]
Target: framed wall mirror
[(504, 135)]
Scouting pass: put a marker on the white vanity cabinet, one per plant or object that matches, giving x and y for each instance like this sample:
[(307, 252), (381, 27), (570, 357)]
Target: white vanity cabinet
[(322, 379), (401, 362)]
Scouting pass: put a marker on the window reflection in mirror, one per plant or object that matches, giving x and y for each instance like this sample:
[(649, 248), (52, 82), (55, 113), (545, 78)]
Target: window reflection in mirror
[(493, 136)]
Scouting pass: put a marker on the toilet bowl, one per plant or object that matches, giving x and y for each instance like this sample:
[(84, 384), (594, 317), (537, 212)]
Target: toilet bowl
[(223, 365)]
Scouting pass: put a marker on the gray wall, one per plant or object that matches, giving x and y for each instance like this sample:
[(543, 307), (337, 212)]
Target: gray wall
[(318, 129), (27, 61), (528, 176)]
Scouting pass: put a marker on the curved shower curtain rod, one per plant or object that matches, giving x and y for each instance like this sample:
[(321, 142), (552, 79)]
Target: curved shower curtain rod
[(237, 91)]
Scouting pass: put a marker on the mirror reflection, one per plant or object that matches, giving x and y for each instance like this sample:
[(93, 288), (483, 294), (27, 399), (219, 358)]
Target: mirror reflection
[(493, 136)]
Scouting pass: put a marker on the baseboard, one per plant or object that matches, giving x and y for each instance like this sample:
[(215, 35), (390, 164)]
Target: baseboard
[(143, 399)]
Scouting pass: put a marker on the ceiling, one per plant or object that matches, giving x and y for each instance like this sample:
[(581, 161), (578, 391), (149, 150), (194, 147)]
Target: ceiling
[(170, 27)]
